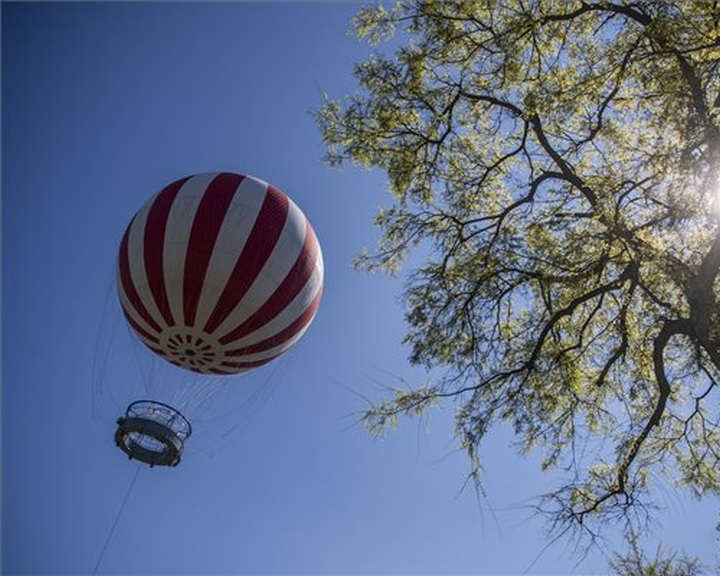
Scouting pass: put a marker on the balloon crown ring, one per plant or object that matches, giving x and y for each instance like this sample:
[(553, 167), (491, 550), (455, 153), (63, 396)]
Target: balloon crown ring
[(191, 348), (153, 433)]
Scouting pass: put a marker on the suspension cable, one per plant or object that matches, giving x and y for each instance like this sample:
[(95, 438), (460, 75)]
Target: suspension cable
[(117, 519)]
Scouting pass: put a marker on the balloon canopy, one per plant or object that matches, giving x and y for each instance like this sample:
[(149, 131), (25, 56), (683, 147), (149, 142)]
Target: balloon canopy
[(219, 273)]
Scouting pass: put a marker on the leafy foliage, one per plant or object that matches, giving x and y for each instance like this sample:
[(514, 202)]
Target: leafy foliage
[(560, 161), (637, 563)]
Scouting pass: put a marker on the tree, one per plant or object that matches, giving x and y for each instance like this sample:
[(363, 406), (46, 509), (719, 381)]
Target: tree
[(637, 563), (558, 162)]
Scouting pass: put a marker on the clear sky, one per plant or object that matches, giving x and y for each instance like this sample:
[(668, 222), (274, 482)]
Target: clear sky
[(102, 105)]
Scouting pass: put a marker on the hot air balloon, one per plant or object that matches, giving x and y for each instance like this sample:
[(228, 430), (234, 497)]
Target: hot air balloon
[(218, 273)]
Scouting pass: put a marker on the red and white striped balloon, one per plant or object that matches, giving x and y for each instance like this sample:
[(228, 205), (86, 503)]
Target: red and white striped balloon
[(219, 273)]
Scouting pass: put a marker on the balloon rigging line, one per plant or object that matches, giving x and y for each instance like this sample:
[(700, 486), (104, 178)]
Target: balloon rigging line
[(117, 519), (103, 340), (260, 396)]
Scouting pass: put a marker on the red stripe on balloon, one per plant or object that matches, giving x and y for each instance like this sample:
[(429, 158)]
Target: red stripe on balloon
[(139, 329), (206, 225), (260, 243), (284, 335), (253, 364), (154, 245), (220, 372), (129, 286), (291, 285), (158, 351)]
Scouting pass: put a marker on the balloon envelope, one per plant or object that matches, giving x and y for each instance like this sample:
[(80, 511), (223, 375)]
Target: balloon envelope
[(219, 273)]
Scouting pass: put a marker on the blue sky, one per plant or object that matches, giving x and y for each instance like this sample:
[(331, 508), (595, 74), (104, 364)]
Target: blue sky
[(102, 105)]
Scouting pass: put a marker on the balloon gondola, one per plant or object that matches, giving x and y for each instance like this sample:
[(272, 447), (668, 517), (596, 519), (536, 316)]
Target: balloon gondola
[(153, 432), (218, 274)]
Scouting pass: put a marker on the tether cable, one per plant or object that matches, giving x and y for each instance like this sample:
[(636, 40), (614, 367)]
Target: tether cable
[(117, 519)]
